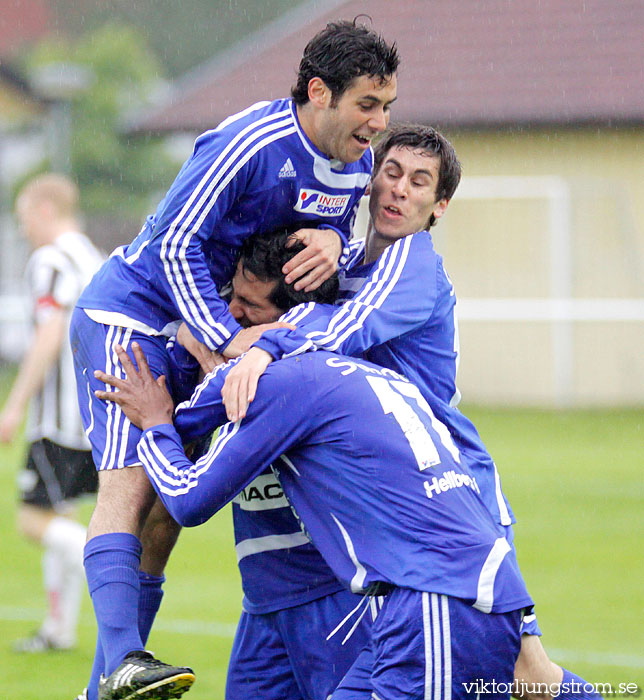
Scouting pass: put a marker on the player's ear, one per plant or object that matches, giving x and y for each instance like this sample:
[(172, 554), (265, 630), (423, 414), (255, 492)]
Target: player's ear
[(367, 192), (319, 93), (439, 208)]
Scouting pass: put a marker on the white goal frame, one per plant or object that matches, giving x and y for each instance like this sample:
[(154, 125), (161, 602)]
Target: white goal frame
[(559, 308)]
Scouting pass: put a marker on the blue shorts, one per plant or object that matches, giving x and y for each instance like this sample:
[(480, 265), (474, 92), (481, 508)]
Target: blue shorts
[(284, 655), (113, 438), (426, 645)]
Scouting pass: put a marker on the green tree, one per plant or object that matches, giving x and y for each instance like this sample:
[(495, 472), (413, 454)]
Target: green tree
[(183, 34), (117, 174)]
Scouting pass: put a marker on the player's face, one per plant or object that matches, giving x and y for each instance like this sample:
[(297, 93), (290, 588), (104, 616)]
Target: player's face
[(362, 111), (30, 214), (403, 192), (250, 304)]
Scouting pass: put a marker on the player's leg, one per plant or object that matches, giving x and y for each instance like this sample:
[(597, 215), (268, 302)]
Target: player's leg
[(159, 535), (57, 535), (158, 538), (427, 643), (538, 678), (112, 559), (46, 483), (259, 667), (112, 565), (125, 498), (80, 479), (319, 663)]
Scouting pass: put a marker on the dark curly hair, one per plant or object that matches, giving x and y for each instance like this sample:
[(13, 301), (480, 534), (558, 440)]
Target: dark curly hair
[(340, 53), (265, 254)]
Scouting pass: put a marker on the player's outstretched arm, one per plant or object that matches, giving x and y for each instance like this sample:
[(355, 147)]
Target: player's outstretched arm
[(192, 493), (206, 358), (240, 386), (38, 360), (243, 341), (317, 262), (398, 297)]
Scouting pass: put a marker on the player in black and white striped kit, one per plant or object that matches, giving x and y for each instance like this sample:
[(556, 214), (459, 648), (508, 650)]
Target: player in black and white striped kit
[(59, 465)]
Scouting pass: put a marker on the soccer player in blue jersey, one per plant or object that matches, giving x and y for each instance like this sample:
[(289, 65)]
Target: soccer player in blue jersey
[(292, 599), (400, 313), (271, 165), (383, 493)]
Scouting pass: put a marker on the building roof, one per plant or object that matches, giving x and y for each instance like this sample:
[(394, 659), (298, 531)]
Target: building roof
[(23, 22), (465, 64)]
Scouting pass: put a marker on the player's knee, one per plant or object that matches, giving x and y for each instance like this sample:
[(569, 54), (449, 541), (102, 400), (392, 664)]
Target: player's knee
[(32, 521), (125, 497)]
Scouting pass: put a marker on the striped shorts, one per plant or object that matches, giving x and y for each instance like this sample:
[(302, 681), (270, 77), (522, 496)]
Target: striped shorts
[(427, 646), (113, 438)]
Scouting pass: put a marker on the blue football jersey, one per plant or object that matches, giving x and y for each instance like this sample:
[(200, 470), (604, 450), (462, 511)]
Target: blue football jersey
[(374, 475), (279, 566), (256, 172), (400, 312)]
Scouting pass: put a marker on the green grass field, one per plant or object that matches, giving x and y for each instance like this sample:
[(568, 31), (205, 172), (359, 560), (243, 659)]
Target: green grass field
[(574, 480)]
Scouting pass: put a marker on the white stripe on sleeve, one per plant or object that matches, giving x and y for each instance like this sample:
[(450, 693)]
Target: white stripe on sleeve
[(354, 312), (202, 199)]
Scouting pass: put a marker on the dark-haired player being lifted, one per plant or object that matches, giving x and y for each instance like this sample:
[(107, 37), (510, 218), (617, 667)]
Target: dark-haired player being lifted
[(292, 599)]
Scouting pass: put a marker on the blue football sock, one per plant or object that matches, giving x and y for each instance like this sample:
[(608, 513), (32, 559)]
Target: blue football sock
[(575, 688), (97, 669), (151, 593), (112, 569), (150, 596)]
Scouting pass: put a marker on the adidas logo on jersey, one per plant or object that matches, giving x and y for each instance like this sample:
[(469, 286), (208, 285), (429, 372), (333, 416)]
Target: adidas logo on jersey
[(287, 169)]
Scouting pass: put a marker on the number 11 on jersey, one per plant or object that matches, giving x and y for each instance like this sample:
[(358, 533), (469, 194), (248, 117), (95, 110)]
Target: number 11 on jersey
[(392, 395)]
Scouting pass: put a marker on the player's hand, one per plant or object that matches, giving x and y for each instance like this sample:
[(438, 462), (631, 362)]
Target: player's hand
[(242, 342), (206, 358), (10, 421), (317, 262), (241, 383), (144, 399)]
